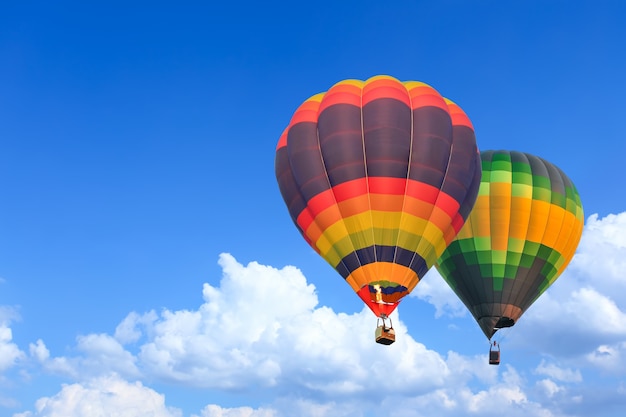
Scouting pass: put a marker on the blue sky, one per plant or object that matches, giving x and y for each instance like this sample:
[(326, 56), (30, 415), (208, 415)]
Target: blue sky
[(142, 232)]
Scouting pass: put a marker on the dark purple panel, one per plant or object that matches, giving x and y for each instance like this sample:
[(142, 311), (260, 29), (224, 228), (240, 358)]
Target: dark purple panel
[(288, 187), (387, 137), (305, 159), (341, 142)]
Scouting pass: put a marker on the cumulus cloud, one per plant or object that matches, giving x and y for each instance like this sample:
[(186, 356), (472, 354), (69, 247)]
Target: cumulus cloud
[(560, 374), (262, 327), (434, 290), (10, 353), (103, 396), (99, 353), (214, 410), (261, 330)]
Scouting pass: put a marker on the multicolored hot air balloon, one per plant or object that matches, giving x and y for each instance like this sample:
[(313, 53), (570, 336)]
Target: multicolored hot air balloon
[(379, 176), (518, 239)]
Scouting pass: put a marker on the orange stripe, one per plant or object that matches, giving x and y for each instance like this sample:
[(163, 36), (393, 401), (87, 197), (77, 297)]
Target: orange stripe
[(421, 191), (386, 202), (366, 274), (418, 208), (341, 93), (384, 87), (424, 95), (307, 112), (354, 205)]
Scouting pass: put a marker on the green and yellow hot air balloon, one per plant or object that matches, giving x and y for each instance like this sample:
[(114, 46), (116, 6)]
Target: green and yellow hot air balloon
[(520, 236), (379, 176)]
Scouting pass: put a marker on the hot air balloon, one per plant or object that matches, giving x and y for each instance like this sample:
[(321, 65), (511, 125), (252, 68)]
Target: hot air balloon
[(379, 176), (518, 239)]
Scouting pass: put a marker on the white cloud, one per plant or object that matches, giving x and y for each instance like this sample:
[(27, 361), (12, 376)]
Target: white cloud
[(261, 330), (549, 387), (57, 365), (214, 410), (434, 290), (100, 354), (10, 353), (610, 358), (560, 374), (126, 332), (586, 307), (103, 396)]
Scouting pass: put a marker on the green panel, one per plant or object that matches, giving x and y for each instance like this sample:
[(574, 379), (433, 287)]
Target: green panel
[(521, 168), (513, 257), (526, 261), (498, 270), (544, 252), (559, 199), (542, 194), (484, 257), (498, 283), (471, 258), (486, 270), (510, 271), (501, 176), (516, 245), (482, 244), (498, 257), (464, 245), (531, 248)]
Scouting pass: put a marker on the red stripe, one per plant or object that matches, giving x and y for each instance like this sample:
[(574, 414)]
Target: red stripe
[(428, 100), (307, 112), (425, 95), (341, 94), (350, 189), (448, 204), (387, 185), (459, 118), (380, 186), (304, 220), (304, 115), (457, 222), (422, 191), (282, 142)]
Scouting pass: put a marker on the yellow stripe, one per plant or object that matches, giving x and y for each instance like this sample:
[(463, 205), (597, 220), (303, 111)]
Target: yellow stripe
[(390, 229)]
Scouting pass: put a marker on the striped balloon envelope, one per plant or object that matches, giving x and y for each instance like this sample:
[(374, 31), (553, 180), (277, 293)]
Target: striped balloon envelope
[(518, 239), (379, 176)]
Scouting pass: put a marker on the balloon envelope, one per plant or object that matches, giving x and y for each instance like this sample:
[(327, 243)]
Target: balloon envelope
[(379, 176), (518, 239)]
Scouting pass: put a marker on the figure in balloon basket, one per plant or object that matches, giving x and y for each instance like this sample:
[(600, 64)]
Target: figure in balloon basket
[(378, 177)]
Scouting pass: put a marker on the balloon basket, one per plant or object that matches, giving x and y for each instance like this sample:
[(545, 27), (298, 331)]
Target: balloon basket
[(494, 355), (385, 335)]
